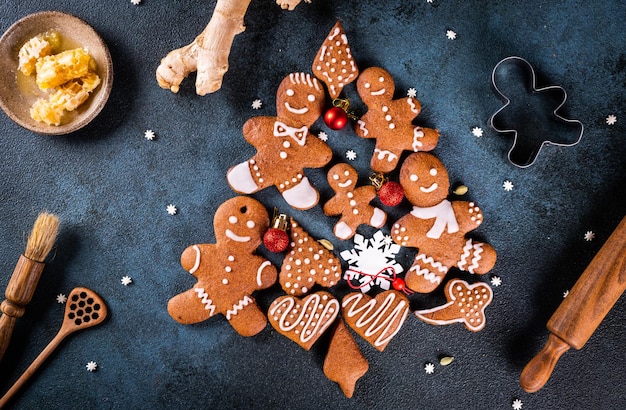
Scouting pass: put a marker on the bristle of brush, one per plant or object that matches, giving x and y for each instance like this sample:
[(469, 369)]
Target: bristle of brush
[(42, 237)]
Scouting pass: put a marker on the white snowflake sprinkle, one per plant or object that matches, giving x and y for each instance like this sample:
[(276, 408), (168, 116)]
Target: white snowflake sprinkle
[(135, 2), (61, 298), (411, 92), (611, 119), (496, 281), (451, 34), (171, 209), (323, 136), (256, 104), (429, 368), (371, 262), (429, 1), (91, 366), (351, 154), (126, 280), (589, 236), (517, 404), (477, 131), (508, 185), (565, 293), (149, 135)]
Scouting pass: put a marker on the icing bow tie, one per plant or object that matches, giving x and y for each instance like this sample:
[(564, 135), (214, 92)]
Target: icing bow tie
[(298, 134)]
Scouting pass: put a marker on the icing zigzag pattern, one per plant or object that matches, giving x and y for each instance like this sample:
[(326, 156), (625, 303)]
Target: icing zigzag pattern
[(208, 303), (467, 252), (239, 306)]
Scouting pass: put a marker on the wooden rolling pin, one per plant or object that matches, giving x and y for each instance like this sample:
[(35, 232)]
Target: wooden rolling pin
[(580, 313)]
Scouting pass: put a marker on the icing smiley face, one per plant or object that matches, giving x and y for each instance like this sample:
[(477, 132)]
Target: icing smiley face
[(242, 221), (424, 179), (375, 84), (342, 177), (300, 99)]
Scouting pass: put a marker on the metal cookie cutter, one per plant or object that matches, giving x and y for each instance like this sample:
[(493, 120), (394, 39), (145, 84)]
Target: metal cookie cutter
[(537, 124)]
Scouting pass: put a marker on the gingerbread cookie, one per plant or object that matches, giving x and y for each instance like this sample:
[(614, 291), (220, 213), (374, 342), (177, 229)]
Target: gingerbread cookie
[(352, 203), (307, 263), (334, 64), (437, 226), (284, 145), (377, 319), (466, 304), (303, 320), (228, 271), (344, 363), (390, 121)]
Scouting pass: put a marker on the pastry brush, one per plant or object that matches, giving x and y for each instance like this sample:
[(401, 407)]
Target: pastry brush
[(26, 275)]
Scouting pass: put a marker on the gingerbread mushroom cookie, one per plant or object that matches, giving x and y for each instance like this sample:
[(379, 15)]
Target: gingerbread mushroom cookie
[(307, 263), (303, 320), (437, 226), (390, 121), (344, 363), (352, 203), (466, 304), (228, 271), (377, 319), (284, 145), (334, 64)]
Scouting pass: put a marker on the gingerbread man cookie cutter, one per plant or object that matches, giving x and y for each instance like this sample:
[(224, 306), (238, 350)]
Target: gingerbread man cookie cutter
[(530, 74)]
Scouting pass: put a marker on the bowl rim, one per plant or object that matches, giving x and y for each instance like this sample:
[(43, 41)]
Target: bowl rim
[(105, 86)]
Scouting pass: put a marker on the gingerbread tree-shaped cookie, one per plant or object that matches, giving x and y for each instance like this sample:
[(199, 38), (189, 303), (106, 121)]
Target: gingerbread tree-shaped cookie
[(334, 64), (307, 263)]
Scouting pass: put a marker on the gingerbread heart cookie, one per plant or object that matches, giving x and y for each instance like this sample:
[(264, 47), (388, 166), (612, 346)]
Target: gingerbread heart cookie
[(303, 320), (307, 263), (377, 319)]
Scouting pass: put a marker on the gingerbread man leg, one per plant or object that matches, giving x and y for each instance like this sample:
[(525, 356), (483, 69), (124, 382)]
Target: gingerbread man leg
[(426, 274), (246, 317)]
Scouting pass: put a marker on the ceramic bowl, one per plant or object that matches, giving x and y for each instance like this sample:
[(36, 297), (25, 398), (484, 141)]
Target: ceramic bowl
[(18, 92)]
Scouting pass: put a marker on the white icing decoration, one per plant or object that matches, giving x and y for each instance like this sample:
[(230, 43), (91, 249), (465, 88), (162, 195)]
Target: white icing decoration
[(361, 124), (240, 178), (204, 298), (412, 104), (345, 184), (381, 154), (239, 306), (231, 235), (260, 270), (417, 135), (309, 328), (298, 134), (196, 264), (444, 217), (301, 196), (379, 321), (474, 250), (379, 92), (343, 230), (428, 190)]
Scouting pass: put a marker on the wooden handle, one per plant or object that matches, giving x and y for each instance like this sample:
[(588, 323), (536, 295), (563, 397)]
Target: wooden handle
[(538, 370), (6, 330), (32, 368)]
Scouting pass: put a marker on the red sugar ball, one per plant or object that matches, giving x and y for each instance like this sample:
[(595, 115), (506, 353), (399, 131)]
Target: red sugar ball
[(276, 240), (398, 284), (391, 193)]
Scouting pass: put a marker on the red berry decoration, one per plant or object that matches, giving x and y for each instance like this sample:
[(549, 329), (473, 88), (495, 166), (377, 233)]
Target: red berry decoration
[(390, 193), (275, 238), (336, 118), (398, 284)]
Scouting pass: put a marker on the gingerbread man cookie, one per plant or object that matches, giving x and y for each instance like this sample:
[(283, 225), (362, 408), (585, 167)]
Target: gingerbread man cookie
[(284, 145), (228, 271), (390, 121), (437, 226), (352, 203)]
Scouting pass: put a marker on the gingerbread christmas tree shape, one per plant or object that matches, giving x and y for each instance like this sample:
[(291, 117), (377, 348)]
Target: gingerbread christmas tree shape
[(307, 263), (334, 64)]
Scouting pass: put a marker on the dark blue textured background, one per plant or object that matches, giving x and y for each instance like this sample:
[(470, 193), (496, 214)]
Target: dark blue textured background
[(110, 187)]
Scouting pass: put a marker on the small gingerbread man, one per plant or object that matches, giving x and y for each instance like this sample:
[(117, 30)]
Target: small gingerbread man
[(228, 271), (352, 203), (284, 145), (390, 121), (437, 226)]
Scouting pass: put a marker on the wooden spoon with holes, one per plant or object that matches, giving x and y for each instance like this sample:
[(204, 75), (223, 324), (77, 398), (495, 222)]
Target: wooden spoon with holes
[(84, 309)]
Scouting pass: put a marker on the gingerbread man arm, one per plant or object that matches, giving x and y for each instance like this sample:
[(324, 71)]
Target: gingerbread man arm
[(322, 158), (468, 215), (334, 206), (254, 130)]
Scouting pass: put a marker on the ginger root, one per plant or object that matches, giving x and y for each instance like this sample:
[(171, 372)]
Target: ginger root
[(208, 53)]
